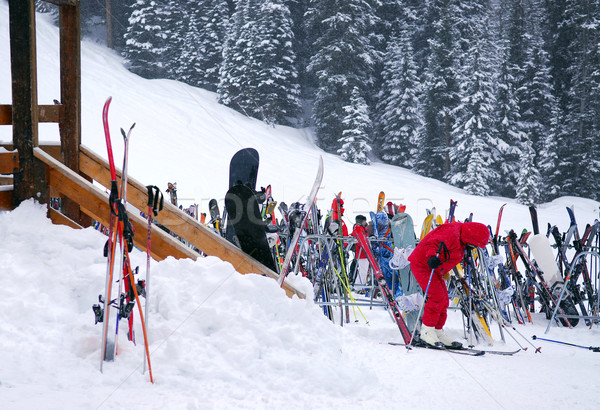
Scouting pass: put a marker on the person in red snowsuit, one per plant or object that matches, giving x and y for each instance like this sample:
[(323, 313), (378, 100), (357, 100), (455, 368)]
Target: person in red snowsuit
[(441, 250)]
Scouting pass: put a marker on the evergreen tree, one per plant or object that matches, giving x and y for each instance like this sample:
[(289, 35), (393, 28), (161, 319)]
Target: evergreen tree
[(344, 60), (441, 95), (539, 118), (473, 153), (258, 75), (398, 110), (509, 132), (203, 42), (276, 76), (584, 100), (153, 41), (235, 72), (558, 35), (355, 137), (528, 180)]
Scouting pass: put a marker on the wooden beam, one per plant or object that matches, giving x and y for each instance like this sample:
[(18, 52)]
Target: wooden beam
[(59, 219), (6, 198), (179, 222), (46, 113), (9, 162), (95, 201), (29, 182), (5, 114), (6, 180), (70, 92)]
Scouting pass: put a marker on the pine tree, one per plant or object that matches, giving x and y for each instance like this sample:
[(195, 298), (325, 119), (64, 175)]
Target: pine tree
[(528, 180), (583, 114), (473, 154), (344, 60), (276, 76), (235, 72), (355, 137), (258, 75), (152, 41), (441, 95), (204, 36), (398, 111)]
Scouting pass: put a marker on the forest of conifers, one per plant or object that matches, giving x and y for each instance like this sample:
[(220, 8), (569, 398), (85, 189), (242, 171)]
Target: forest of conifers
[(499, 97)]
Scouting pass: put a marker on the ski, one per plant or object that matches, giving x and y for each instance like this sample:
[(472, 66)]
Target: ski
[(102, 315), (461, 351), (309, 206), (361, 235), (380, 200)]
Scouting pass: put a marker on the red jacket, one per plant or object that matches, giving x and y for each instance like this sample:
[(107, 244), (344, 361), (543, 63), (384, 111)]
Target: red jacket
[(456, 236)]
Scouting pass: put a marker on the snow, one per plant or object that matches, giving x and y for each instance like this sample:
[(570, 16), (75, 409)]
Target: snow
[(219, 339)]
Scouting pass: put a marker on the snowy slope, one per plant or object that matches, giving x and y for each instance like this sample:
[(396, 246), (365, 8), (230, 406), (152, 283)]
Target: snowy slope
[(220, 339)]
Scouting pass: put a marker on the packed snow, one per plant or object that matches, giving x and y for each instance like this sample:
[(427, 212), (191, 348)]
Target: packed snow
[(219, 339)]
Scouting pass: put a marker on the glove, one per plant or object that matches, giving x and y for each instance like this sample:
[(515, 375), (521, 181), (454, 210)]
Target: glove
[(434, 262)]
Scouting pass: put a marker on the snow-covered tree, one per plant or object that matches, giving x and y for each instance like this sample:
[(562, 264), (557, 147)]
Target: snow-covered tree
[(583, 117), (528, 180), (153, 40), (355, 137), (258, 75), (398, 110), (203, 42), (441, 94), (473, 153), (344, 59)]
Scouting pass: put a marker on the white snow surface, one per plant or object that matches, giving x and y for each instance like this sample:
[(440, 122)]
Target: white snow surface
[(219, 339)]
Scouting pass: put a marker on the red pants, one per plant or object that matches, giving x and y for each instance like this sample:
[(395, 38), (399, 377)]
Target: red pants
[(436, 304)]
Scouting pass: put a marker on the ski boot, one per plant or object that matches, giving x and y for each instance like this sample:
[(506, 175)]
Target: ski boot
[(447, 340)]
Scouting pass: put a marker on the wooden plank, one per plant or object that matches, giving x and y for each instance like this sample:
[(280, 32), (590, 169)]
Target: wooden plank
[(46, 113), (6, 180), (6, 199), (95, 202), (5, 114), (179, 222), (9, 162), (59, 219)]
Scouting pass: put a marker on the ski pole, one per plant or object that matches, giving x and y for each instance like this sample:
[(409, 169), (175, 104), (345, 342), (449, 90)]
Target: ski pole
[(412, 337), (155, 204), (592, 348)]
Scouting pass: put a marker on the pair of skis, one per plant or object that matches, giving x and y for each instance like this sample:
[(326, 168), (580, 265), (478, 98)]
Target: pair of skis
[(120, 231)]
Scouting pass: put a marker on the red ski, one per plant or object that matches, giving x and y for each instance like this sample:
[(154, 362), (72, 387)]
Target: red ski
[(361, 235)]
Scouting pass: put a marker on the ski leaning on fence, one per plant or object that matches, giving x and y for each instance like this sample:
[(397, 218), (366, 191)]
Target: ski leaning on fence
[(309, 202)]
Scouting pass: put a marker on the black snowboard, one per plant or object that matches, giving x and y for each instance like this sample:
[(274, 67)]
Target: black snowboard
[(244, 215), (243, 168)]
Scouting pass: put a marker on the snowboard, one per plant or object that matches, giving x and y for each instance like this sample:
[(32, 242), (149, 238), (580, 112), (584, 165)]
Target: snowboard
[(244, 215), (243, 170), (403, 233)]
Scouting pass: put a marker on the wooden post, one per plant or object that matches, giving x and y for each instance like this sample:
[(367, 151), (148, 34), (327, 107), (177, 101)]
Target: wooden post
[(29, 181), (70, 91)]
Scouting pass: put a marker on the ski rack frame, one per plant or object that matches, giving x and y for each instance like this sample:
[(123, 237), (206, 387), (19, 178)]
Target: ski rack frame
[(323, 238), (555, 313)]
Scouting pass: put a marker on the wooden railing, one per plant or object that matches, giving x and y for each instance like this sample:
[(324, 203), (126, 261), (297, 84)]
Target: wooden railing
[(93, 201)]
